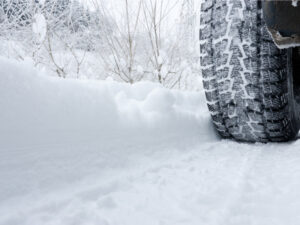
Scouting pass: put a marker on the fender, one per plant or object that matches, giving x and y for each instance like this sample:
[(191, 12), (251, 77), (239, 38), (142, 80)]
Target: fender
[(283, 21)]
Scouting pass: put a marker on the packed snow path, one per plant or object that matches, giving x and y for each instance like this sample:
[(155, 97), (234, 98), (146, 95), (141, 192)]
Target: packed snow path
[(102, 153)]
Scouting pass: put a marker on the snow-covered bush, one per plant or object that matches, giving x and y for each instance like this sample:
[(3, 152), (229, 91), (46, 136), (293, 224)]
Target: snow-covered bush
[(147, 41), (138, 40)]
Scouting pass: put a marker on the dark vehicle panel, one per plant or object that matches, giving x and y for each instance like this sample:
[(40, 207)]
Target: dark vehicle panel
[(283, 20)]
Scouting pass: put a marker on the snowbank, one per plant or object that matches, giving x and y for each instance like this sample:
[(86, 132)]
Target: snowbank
[(33, 104), (55, 133)]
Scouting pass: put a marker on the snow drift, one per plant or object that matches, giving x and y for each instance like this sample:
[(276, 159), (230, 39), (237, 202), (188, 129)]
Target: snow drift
[(52, 129), (34, 106), (104, 153)]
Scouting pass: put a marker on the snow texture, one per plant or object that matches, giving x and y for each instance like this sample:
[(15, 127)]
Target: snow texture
[(295, 3), (104, 153), (39, 27)]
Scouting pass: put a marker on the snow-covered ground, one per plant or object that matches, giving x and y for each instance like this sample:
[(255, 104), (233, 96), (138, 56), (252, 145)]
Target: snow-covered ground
[(77, 152)]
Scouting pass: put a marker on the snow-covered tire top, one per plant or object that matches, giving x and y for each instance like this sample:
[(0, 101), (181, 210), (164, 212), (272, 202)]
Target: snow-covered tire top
[(248, 81)]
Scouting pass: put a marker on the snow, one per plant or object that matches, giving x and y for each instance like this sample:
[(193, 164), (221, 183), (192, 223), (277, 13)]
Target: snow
[(295, 3), (39, 26), (160, 60), (104, 153)]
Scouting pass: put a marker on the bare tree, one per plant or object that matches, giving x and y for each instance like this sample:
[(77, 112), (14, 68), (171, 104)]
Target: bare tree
[(62, 34), (119, 49), (165, 44)]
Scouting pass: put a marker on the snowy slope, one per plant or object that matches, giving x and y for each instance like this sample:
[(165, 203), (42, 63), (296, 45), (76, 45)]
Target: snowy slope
[(103, 153)]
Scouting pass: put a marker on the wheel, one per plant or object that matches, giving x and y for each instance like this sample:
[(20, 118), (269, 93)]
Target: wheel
[(248, 81)]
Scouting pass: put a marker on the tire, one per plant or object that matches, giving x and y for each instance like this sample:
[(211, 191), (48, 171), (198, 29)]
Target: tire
[(248, 81)]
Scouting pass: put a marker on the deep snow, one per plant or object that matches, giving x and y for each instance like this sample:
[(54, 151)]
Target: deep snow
[(104, 153)]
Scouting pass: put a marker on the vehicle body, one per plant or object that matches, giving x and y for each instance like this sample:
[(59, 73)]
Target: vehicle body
[(283, 21)]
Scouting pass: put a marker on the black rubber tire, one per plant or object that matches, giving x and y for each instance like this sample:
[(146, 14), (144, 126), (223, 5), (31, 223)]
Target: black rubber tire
[(248, 81)]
